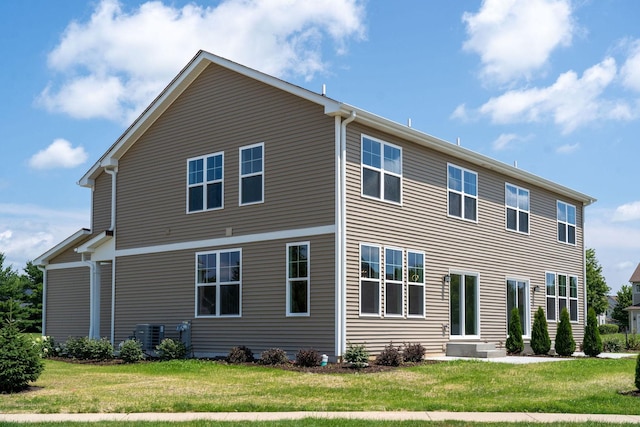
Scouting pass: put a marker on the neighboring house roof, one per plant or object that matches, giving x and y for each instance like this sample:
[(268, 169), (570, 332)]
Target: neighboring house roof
[(70, 242), (635, 277), (331, 107), (635, 307)]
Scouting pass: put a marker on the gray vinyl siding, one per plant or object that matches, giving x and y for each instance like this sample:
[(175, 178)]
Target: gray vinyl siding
[(160, 288), (101, 204), (220, 112), (105, 299), (485, 248), (67, 303)]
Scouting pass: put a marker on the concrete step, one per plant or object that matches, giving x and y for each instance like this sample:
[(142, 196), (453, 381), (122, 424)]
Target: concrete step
[(481, 350)]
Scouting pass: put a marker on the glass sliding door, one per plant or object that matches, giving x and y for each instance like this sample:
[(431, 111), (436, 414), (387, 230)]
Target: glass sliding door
[(464, 307)]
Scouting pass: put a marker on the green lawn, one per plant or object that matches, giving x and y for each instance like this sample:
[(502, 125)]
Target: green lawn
[(576, 386)]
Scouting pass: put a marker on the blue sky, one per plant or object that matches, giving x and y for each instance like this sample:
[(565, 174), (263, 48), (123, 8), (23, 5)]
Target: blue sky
[(551, 84)]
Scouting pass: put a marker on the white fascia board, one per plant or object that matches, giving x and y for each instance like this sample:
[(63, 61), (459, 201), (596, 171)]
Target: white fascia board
[(462, 153), (67, 243), (92, 244)]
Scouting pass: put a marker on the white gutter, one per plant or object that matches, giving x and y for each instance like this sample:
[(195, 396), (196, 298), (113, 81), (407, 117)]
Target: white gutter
[(342, 237)]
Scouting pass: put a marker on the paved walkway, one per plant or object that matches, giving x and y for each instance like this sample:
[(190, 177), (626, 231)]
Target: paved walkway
[(275, 416)]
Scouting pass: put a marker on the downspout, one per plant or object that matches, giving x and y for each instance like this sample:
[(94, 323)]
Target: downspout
[(94, 298), (44, 300), (584, 272), (342, 225), (112, 328), (113, 171)]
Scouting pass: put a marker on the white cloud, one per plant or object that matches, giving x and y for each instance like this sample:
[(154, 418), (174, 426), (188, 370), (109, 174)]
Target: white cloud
[(114, 64), (630, 71), (60, 154), (627, 212), (28, 231), (515, 38), (567, 148), (504, 141), (570, 102)]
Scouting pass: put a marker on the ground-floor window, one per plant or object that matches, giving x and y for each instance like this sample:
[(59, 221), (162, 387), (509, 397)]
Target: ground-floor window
[(518, 297), (550, 282), (218, 283), (415, 279), (563, 290), (369, 280), (464, 304), (298, 281)]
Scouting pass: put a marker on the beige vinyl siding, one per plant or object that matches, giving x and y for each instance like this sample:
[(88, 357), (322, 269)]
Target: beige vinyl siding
[(160, 288), (485, 248), (220, 112), (69, 255), (101, 204), (105, 299), (67, 303)]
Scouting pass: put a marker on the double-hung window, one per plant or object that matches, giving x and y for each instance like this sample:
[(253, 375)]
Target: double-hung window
[(573, 298), (415, 280), (562, 292), (550, 282), (381, 170), (205, 182), (298, 279), (463, 193), (566, 223), (218, 283), (369, 280), (252, 174), (393, 283), (517, 205)]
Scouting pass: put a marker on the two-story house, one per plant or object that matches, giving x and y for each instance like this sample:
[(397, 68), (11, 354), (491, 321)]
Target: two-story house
[(268, 215), (634, 309)]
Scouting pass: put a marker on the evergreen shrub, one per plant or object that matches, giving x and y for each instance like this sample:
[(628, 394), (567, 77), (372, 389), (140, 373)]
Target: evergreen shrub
[(83, 348), (612, 344), (131, 351), (540, 341), (170, 349), (592, 344), (357, 355), (20, 361), (565, 345), (638, 373), (608, 329), (514, 343)]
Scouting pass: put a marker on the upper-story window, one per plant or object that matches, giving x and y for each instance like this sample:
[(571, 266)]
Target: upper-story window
[(381, 170), (566, 223), (463, 193), (205, 182), (517, 205), (252, 174), (218, 283)]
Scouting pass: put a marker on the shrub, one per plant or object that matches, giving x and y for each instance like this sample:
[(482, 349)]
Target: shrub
[(357, 355), (633, 342), (46, 346), (540, 341), (240, 354), (608, 329), (308, 357), (514, 343), (20, 361), (131, 351), (413, 353), (565, 345), (390, 356), (592, 344), (170, 349), (84, 348), (273, 356), (638, 373), (611, 345)]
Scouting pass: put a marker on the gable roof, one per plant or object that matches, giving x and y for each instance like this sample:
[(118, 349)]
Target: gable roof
[(635, 277), (331, 107), (70, 242)]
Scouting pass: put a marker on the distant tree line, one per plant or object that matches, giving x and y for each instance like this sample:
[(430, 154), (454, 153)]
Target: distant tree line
[(21, 296)]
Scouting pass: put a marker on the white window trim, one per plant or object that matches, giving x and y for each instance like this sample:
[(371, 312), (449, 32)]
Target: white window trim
[(394, 282), (463, 194), (381, 170), (307, 278), (567, 224), (576, 299), (217, 285), (555, 296), (240, 175), (205, 182), (421, 284), (566, 298), (477, 308), (527, 304), (517, 209), (366, 279)]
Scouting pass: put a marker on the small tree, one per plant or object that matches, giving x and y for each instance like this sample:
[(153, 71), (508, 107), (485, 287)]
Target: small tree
[(625, 299), (565, 345), (20, 361), (514, 343), (592, 344), (597, 289), (540, 341)]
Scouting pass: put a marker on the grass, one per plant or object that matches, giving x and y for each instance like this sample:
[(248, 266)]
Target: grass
[(313, 422), (576, 386)]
